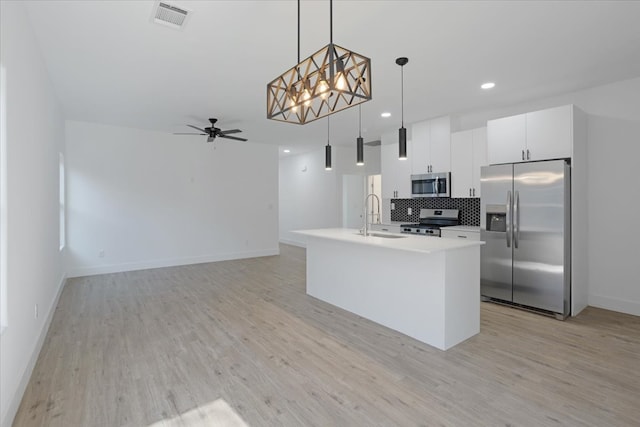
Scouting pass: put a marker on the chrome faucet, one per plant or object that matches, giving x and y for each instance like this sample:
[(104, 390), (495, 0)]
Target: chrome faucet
[(365, 230)]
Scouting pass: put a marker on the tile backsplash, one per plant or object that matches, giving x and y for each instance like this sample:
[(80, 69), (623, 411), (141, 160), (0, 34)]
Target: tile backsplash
[(469, 208)]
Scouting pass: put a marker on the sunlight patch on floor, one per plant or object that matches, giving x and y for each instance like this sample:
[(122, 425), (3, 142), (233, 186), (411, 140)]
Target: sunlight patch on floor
[(214, 414)]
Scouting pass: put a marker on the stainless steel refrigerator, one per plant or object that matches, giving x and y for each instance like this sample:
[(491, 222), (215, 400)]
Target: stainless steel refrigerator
[(526, 224)]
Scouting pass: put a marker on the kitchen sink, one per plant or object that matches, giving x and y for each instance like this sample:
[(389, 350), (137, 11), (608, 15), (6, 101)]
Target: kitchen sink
[(385, 236)]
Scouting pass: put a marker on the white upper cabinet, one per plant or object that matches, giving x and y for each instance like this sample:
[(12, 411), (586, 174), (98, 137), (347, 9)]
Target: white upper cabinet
[(539, 135), (506, 138), (396, 174), (461, 163), (421, 139), (440, 156), (431, 146), (549, 133), (468, 154), (479, 157)]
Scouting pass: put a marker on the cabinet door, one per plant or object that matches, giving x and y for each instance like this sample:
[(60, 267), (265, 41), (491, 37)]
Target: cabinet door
[(479, 148), (457, 234), (549, 133), (389, 228), (440, 150), (396, 174), (462, 164), (420, 141), (387, 163), (506, 139)]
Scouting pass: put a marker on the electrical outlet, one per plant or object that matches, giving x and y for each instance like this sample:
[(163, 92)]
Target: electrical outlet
[(408, 211), (35, 312), (101, 253)]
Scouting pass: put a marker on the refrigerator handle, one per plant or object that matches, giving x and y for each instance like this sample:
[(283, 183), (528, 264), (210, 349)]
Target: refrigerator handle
[(516, 220), (508, 219)]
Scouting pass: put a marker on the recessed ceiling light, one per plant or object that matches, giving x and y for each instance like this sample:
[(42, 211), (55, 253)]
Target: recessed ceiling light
[(385, 115), (488, 85), (286, 150)]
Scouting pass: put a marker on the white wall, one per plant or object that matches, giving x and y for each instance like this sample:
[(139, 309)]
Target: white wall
[(142, 199), (35, 136), (613, 194), (310, 196)]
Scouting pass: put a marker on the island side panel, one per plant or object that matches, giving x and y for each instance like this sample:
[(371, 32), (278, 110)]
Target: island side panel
[(402, 290), (462, 295)]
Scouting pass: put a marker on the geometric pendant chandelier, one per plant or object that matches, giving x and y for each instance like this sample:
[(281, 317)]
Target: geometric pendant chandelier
[(330, 80)]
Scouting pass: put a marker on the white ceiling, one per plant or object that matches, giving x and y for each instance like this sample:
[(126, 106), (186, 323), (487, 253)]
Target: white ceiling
[(110, 64)]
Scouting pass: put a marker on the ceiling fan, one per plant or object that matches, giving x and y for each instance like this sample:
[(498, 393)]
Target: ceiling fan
[(213, 132)]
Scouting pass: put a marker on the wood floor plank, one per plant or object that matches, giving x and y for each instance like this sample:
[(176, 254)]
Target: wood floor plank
[(240, 342)]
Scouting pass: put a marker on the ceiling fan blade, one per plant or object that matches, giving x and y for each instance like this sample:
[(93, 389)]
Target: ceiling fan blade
[(180, 133), (227, 132), (197, 128), (233, 137)]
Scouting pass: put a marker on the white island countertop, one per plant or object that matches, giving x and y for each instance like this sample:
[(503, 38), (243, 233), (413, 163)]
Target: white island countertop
[(404, 242)]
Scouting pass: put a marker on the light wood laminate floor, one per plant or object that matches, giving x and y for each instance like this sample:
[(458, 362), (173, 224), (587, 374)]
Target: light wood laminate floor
[(239, 343)]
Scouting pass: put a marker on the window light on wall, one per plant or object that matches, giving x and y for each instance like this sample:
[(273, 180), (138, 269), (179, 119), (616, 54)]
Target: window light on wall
[(62, 201)]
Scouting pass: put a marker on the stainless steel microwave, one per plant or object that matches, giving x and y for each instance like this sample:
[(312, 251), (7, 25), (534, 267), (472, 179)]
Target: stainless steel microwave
[(431, 185)]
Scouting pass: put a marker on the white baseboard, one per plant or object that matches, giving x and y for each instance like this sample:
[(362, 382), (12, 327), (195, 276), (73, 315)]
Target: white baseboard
[(615, 304), (26, 376), (145, 265), (293, 243)]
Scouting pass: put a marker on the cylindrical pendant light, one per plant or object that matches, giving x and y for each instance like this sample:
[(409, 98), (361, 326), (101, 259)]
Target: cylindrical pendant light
[(402, 143), (359, 140), (327, 150), (402, 132)]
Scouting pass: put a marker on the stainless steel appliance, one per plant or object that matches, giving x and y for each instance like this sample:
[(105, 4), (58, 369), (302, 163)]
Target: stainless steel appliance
[(431, 185), (526, 226), (431, 220)]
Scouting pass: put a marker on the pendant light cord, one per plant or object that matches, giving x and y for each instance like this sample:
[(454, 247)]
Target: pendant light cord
[(328, 131), (298, 34), (402, 93), (360, 120), (330, 22)]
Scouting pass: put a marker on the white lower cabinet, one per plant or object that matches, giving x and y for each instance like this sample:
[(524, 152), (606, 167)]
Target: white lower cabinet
[(389, 228), (460, 234)]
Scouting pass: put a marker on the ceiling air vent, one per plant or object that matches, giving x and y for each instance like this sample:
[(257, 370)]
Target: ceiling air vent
[(169, 15)]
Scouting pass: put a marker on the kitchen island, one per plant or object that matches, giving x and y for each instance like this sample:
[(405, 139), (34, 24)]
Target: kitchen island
[(425, 287)]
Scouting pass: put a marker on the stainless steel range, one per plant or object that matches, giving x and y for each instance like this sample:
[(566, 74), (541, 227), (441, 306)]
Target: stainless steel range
[(431, 220)]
